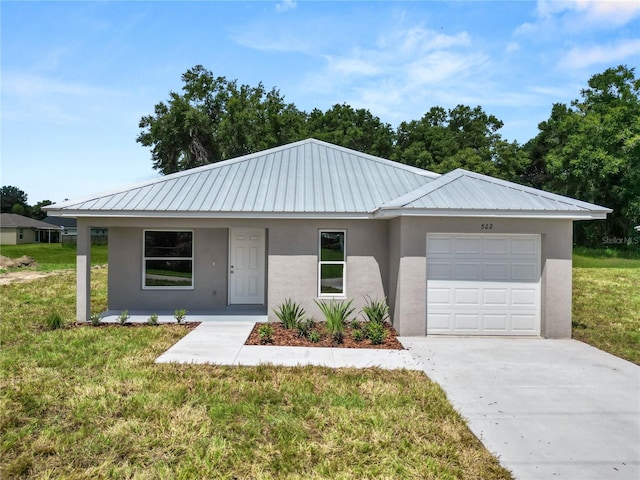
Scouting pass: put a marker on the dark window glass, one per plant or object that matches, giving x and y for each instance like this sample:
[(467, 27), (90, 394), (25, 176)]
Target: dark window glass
[(332, 247), (168, 273), (331, 279), (168, 244)]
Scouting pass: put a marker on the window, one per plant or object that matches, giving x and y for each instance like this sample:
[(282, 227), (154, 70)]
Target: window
[(21, 234), (168, 259), (332, 264)]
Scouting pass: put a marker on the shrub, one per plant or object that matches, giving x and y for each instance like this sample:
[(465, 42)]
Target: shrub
[(95, 320), (179, 315), (53, 321), (314, 337), (124, 316), (376, 311), (358, 334), (305, 327), (289, 313), (376, 333), (153, 319), (337, 315), (265, 332)]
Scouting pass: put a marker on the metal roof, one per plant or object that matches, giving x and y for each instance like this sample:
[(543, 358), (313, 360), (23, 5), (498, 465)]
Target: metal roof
[(312, 178), (309, 176), (464, 191), (13, 220)]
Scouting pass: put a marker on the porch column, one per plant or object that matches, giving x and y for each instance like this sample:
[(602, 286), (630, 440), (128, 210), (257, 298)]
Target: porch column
[(83, 272)]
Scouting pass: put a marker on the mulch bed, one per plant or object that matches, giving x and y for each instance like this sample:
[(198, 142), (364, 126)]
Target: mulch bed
[(290, 338)]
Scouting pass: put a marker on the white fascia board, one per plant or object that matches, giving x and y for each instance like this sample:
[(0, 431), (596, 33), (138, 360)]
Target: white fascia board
[(228, 215), (568, 215)]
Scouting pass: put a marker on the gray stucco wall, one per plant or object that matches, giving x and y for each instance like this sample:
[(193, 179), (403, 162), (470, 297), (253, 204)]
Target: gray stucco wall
[(291, 270), (556, 248), (125, 273)]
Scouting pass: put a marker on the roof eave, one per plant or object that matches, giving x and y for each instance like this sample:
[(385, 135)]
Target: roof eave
[(212, 215), (533, 214)]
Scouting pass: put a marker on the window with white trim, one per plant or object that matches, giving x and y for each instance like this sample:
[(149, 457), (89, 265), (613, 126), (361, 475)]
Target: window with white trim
[(332, 263), (167, 259)]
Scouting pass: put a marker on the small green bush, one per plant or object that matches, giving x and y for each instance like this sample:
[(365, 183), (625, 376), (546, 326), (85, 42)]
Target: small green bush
[(95, 320), (124, 316), (314, 337), (265, 332), (180, 315), (153, 319), (376, 311), (358, 334), (289, 313), (337, 315), (53, 321), (305, 327), (376, 333)]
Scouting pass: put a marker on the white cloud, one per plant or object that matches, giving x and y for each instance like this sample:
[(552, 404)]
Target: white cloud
[(285, 5), (584, 57), (587, 14)]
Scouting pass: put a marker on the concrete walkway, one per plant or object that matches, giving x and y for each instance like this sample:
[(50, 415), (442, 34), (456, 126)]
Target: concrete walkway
[(221, 342), (546, 408)]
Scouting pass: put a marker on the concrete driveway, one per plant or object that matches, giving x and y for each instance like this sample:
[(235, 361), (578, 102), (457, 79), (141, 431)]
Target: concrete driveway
[(546, 408)]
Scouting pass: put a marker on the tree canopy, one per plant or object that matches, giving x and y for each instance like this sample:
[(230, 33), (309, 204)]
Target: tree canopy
[(589, 150)]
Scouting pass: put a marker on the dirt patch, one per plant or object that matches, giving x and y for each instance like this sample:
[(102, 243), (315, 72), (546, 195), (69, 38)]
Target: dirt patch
[(23, 276), (290, 338), (23, 261)]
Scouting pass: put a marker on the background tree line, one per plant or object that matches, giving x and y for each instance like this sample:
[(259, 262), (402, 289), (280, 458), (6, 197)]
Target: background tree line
[(14, 200)]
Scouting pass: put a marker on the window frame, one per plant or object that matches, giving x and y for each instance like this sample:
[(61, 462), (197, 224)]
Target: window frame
[(191, 258), (342, 262)]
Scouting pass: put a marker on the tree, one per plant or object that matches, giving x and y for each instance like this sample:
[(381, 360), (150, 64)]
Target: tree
[(356, 129), (591, 151), (10, 197), (215, 119), (36, 210), (462, 137)]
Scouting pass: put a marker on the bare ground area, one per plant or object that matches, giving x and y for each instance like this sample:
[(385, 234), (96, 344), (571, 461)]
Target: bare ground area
[(23, 276)]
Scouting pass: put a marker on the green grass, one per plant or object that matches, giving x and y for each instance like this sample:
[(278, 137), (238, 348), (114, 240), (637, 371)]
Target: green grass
[(88, 402), (606, 310), (606, 258), (53, 256)]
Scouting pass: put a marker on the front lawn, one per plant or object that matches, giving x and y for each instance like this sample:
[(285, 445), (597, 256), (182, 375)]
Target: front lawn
[(87, 402), (53, 256)]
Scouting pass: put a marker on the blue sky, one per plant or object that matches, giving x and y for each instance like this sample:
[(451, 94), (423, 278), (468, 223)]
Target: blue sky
[(77, 76)]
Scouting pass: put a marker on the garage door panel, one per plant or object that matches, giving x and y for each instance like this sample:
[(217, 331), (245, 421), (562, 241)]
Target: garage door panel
[(467, 245), (524, 246), (467, 296), (439, 246), (469, 322), (524, 272), (467, 271), (523, 323), (496, 271), (496, 297), (523, 297), (439, 271), (495, 246), (485, 285), (496, 323), (440, 296)]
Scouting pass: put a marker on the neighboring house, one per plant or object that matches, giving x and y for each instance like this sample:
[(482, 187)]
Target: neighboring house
[(459, 253), (16, 229), (69, 231)]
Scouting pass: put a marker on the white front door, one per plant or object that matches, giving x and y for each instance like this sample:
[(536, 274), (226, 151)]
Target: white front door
[(246, 266), (483, 284)]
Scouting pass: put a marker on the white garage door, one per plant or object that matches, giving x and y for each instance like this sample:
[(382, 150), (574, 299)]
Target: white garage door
[(483, 284)]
